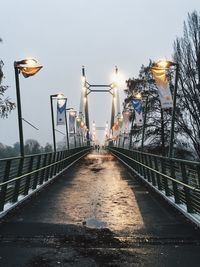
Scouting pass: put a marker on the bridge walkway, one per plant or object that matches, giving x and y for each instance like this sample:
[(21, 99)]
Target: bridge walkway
[(97, 214)]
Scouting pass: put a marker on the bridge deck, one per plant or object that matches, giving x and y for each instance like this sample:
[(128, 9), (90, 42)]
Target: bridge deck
[(97, 214)]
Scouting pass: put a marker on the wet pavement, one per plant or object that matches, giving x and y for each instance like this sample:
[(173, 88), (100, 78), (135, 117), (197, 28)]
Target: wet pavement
[(97, 214)]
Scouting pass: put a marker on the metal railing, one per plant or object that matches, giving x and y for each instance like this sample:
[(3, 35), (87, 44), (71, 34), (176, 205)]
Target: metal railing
[(21, 176), (178, 180)]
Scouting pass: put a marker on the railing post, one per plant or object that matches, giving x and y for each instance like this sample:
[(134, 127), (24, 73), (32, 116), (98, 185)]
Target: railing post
[(48, 169), (65, 159), (17, 182), (152, 172), (28, 177), (139, 160), (157, 175), (166, 186), (55, 163), (42, 175), (35, 182), (174, 184), (147, 170), (198, 174), (133, 160), (62, 163), (59, 163), (186, 190), (144, 169), (139, 167), (4, 187), (53, 166)]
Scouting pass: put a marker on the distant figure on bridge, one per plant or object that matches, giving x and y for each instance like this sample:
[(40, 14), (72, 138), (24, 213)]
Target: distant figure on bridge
[(98, 148)]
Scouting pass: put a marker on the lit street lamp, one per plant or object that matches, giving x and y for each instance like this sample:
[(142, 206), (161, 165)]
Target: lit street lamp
[(144, 122), (28, 68), (59, 96), (136, 96), (166, 65), (73, 113), (67, 132)]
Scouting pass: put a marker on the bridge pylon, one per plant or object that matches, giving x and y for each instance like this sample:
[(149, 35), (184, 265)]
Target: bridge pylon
[(88, 88)]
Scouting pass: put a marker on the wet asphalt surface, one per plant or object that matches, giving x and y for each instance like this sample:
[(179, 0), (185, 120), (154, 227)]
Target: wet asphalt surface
[(97, 214)]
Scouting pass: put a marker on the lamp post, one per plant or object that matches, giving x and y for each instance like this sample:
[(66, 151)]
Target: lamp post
[(67, 132), (66, 125), (131, 131), (52, 119), (28, 70), (166, 65), (73, 113), (144, 123), (136, 96), (61, 97), (171, 143)]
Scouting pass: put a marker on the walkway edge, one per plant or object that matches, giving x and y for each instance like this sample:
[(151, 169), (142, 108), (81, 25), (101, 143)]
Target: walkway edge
[(10, 206), (181, 207)]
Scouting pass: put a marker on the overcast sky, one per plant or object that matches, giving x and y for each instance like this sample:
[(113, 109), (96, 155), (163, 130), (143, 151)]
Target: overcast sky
[(63, 35)]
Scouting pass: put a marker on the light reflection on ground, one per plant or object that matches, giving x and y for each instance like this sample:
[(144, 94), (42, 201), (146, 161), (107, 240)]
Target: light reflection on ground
[(99, 196)]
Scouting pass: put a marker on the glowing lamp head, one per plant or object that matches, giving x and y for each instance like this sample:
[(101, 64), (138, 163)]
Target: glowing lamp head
[(165, 64), (138, 96), (60, 95), (31, 62), (27, 67), (72, 113)]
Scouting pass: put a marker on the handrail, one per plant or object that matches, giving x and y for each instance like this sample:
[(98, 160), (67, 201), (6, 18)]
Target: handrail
[(35, 155), (159, 156), (160, 173), (176, 180), (20, 174), (40, 169)]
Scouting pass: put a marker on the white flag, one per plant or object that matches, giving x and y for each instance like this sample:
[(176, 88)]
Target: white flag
[(61, 109), (163, 87), (125, 119), (72, 118), (137, 105)]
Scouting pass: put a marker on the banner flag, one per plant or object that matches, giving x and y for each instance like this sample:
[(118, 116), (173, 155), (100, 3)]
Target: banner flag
[(163, 87), (61, 109), (125, 119), (115, 129), (120, 122), (137, 105), (72, 118), (78, 125)]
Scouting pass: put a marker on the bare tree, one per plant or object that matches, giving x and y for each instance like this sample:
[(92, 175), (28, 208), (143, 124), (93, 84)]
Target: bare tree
[(5, 104), (187, 55)]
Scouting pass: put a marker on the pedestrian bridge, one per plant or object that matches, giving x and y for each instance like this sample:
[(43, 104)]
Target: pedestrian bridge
[(81, 207)]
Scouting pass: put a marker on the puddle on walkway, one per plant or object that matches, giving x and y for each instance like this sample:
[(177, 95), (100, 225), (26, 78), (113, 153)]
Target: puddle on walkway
[(95, 223)]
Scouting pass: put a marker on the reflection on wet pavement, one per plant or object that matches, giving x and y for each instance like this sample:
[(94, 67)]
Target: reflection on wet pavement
[(98, 196), (98, 192)]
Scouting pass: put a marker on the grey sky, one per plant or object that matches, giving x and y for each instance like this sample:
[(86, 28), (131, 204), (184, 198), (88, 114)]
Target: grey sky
[(64, 35)]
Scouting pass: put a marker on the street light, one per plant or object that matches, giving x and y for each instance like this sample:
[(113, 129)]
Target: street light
[(78, 123), (144, 122), (73, 113), (164, 64), (59, 96), (28, 68), (136, 96)]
